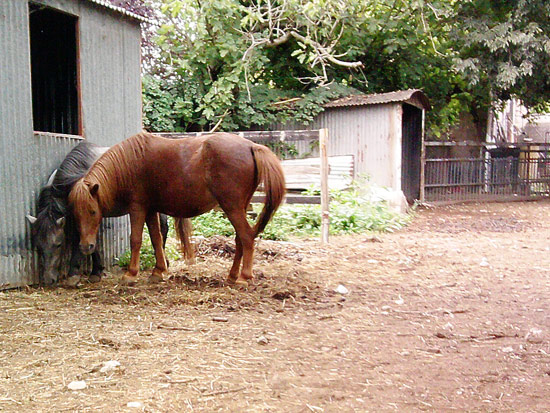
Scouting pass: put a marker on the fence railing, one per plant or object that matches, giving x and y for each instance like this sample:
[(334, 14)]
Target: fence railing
[(524, 175)]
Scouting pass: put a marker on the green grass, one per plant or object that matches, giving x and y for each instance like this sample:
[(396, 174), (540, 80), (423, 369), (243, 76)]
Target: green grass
[(147, 254)]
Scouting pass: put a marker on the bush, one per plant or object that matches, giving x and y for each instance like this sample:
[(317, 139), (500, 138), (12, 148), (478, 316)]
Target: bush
[(351, 211)]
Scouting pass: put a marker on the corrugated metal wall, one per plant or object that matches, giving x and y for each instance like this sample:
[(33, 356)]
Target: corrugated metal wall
[(371, 133), (111, 111)]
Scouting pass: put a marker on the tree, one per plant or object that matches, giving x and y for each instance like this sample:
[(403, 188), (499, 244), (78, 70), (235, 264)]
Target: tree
[(233, 62), (505, 48)]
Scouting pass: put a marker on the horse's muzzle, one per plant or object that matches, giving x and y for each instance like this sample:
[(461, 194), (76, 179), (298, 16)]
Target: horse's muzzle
[(87, 249)]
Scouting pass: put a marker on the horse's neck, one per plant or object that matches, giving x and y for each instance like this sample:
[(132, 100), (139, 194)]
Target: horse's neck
[(52, 205)]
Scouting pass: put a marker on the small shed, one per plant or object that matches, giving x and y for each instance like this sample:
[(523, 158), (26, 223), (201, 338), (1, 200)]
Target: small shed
[(384, 132), (70, 70)]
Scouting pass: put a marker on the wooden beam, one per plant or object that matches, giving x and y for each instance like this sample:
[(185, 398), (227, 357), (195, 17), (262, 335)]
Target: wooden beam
[(325, 215)]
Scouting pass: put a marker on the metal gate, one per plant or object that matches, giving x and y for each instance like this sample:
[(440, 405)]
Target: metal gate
[(503, 173)]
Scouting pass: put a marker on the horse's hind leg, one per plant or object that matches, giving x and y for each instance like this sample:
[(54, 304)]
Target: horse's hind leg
[(153, 224), (234, 271), (164, 230), (245, 237)]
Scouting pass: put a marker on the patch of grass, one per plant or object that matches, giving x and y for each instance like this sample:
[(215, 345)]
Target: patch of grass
[(147, 254), (351, 211)]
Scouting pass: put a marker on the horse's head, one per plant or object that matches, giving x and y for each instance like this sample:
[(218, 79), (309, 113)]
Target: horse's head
[(48, 237), (84, 201)]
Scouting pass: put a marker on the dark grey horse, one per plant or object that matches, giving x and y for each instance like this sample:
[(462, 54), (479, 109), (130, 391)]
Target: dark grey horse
[(53, 229)]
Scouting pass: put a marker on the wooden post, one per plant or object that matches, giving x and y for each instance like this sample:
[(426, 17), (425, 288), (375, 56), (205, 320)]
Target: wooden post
[(422, 162), (325, 215)]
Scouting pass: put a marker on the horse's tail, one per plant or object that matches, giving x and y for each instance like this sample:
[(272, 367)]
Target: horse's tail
[(183, 233), (271, 175)]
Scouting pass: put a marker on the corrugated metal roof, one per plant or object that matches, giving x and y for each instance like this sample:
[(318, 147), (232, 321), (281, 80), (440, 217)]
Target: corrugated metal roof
[(412, 96), (108, 5)]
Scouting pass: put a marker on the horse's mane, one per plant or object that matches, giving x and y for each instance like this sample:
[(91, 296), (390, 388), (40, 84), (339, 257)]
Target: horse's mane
[(50, 208), (52, 199), (74, 166), (114, 170)]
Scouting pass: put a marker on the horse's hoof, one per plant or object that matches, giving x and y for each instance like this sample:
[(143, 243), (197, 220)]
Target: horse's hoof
[(156, 278), (71, 282), (128, 280), (241, 284), (94, 278)]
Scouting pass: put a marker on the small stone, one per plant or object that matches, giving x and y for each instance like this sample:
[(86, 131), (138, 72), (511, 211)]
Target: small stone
[(77, 385), (341, 289), (443, 334), (534, 336), (135, 405), (109, 366), (484, 262), (263, 340)]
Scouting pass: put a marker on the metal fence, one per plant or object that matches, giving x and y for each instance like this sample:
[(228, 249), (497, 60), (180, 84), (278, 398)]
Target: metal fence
[(491, 177)]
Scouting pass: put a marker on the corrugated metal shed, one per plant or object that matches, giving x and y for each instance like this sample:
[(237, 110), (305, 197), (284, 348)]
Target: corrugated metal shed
[(109, 58), (411, 96), (108, 5), (382, 131)]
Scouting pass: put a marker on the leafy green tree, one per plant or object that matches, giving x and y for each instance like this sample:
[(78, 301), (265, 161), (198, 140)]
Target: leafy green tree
[(239, 64), (235, 64), (505, 48)]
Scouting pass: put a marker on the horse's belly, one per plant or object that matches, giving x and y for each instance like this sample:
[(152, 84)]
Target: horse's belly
[(186, 204)]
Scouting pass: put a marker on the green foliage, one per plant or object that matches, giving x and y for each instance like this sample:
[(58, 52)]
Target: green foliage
[(163, 106), (147, 254), (505, 48), (243, 65), (351, 211), (212, 223)]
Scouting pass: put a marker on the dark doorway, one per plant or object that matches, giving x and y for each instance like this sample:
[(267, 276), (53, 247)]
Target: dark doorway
[(411, 152), (54, 71)]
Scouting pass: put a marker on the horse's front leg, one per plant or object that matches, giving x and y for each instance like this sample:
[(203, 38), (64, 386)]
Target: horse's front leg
[(73, 276), (153, 223), (137, 220), (97, 268)]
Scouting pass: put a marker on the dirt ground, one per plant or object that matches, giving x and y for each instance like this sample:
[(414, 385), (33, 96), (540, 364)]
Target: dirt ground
[(450, 314)]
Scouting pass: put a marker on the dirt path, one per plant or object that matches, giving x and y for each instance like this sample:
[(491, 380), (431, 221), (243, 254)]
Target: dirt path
[(450, 314)]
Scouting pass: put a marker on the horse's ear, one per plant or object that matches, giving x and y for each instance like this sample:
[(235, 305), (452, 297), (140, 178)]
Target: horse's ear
[(31, 219), (93, 189), (60, 222)]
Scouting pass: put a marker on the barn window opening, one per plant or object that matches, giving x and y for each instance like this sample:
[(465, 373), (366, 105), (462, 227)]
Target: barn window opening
[(54, 71)]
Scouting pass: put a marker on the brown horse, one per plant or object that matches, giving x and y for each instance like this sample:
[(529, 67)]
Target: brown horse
[(146, 174)]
